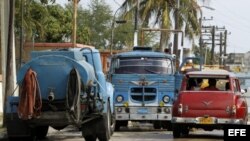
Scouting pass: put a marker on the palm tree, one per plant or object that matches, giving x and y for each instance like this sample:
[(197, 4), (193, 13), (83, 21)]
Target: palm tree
[(162, 14)]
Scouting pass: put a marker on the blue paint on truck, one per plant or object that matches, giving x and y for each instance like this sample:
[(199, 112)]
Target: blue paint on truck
[(73, 91), (145, 85)]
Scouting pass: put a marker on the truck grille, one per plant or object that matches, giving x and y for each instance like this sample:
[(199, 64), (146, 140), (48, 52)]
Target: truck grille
[(143, 94)]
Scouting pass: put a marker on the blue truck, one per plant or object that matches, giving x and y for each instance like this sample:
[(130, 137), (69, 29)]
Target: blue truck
[(61, 87), (145, 85)]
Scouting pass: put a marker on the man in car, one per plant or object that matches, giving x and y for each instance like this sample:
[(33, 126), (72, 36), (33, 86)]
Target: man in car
[(212, 85)]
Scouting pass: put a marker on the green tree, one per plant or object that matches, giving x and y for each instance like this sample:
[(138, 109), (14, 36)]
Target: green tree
[(96, 23), (58, 24), (35, 16), (123, 35)]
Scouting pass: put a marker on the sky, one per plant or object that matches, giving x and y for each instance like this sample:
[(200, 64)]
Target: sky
[(234, 15)]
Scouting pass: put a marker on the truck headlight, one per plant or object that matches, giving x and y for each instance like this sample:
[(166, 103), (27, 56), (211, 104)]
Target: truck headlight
[(119, 98), (167, 110), (166, 99), (119, 110)]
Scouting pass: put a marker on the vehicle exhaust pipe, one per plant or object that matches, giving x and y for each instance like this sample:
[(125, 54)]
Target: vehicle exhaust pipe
[(51, 96)]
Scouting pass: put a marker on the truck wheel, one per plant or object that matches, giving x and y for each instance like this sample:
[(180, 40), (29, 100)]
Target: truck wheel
[(118, 124), (111, 123), (90, 138), (167, 125), (176, 131), (157, 124), (105, 122), (113, 127), (41, 132), (18, 129), (185, 131), (24, 138)]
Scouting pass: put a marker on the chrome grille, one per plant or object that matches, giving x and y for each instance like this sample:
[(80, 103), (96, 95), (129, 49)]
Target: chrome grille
[(143, 94)]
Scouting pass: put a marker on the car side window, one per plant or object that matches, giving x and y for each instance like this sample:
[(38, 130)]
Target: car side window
[(236, 85), (227, 86)]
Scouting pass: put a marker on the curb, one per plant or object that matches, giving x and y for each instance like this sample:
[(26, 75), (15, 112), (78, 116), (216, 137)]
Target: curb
[(3, 133)]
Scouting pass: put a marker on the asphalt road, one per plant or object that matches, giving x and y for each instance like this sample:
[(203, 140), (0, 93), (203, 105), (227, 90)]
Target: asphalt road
[(137, 132)]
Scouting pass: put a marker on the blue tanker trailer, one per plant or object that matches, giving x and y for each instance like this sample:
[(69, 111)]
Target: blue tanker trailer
[(58, 88)]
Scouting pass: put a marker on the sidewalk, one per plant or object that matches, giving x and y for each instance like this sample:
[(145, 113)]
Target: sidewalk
[(3, 133)]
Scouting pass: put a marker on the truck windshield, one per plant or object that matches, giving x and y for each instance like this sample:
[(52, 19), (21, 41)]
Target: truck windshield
[(142, 65)]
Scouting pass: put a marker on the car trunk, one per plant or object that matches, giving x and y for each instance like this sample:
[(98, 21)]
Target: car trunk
[(207, 104)]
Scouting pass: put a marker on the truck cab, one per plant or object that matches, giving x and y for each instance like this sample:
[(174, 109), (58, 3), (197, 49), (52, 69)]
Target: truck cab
[(144, 82)]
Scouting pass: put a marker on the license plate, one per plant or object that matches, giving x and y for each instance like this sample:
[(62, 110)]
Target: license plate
[(142, 111), (206, 120)]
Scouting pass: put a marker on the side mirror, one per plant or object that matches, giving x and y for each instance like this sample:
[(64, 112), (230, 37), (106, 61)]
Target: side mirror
[(243, 91)]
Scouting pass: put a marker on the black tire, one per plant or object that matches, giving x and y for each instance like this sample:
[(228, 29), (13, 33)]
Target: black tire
[(118, 124), (18, 130), (167, 125), (185, 131), (176, 131), (109, 120), (90, 138), (157, 124), (28, 138), (113, 127), (41, 132), (105, 121), (112, 122)]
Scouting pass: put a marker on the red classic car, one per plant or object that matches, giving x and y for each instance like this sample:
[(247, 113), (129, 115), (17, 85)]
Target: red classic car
[(208, 100)]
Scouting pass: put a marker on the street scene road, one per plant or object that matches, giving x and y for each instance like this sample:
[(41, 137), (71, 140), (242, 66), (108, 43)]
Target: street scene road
[(137, 132)]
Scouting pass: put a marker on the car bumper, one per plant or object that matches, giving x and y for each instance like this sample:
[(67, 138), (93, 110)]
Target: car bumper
[(213, 120)]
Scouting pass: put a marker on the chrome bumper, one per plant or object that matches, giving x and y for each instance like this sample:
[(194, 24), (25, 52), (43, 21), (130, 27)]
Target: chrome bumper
[(214, 120), (148, 113)]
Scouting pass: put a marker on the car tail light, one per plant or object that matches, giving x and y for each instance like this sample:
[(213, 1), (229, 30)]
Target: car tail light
[(234, 109), (180, 109)]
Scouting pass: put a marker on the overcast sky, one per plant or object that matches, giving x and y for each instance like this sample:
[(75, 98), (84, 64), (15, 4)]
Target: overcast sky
[(234, 15)]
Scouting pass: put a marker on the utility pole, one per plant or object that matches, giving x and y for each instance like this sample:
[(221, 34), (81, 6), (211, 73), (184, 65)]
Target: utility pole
[(225, 47), (176, 37), (200, 40), (221, 54), (75, 3), (21, 35), (213, 46), (136, 23)]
